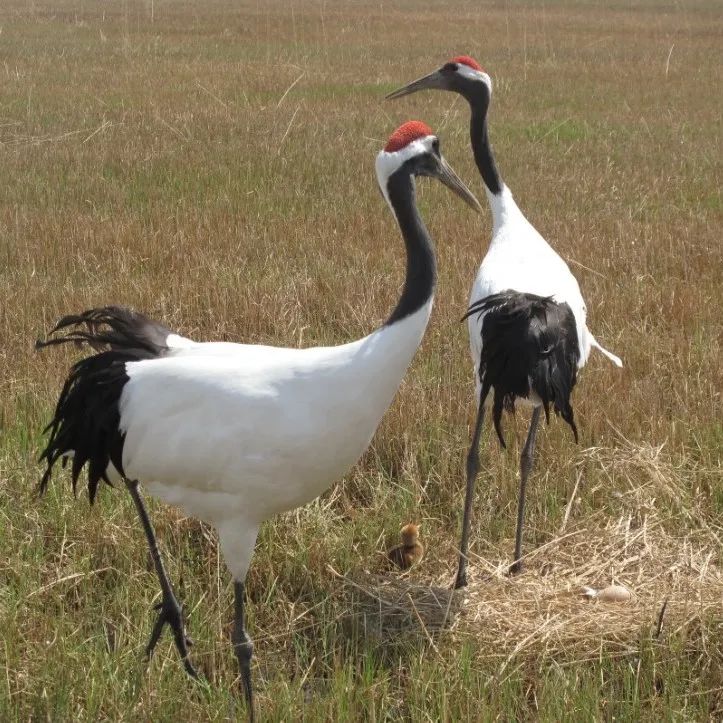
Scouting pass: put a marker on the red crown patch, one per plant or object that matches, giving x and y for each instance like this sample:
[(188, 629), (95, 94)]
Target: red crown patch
[(405, 134), (469, 62)]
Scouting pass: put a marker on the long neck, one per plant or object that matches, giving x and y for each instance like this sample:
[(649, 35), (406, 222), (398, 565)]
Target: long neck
[(502, 204), (483, 156), (421, 273)]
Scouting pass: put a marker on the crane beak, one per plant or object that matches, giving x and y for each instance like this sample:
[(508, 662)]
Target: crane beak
[(434, 80), (450, 179)]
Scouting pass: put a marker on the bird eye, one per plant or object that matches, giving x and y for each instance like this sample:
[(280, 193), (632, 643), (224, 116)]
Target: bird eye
[(435, 145), (449, 67)]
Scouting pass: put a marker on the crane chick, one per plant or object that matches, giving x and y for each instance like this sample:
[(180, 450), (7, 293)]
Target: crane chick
[(410, 552)]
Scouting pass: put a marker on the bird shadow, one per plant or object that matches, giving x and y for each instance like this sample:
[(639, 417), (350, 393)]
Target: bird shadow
[(396, 608)]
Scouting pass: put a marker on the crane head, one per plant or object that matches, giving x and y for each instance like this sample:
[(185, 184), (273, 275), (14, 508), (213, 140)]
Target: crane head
[(413, 150), (461, 74)]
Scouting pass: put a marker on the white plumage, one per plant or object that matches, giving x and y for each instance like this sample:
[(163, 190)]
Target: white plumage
[(279, 425), (520, 259)]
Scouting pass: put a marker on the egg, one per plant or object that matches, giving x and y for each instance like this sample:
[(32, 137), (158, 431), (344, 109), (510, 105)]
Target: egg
[(611, 593)]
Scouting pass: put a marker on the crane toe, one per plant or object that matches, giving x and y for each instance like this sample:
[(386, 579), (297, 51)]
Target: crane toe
[(515, 568), (171, 614)]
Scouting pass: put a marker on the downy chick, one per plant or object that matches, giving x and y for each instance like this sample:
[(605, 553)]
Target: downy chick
[(410, 551)]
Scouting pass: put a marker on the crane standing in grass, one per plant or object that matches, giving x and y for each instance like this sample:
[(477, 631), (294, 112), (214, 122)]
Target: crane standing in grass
[(527, 318), (233, 433)]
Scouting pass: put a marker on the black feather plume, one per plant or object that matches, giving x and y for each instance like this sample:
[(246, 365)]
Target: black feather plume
[(86, 423), (529, 344)]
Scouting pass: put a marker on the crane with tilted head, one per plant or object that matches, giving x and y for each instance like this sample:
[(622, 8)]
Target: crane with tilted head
[(234, 433)]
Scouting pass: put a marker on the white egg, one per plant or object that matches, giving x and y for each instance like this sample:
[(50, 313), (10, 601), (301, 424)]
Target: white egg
[(611, 593)]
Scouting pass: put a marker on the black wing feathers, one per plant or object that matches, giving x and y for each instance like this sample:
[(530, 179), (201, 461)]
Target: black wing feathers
[(529, 344), (86, 422)]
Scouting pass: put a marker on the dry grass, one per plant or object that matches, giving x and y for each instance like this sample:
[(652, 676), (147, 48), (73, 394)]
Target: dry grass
[(674, 577), (212, 166)]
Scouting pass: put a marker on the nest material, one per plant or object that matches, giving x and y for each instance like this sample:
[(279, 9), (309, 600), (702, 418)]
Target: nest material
[(636, 541), (385, 607)]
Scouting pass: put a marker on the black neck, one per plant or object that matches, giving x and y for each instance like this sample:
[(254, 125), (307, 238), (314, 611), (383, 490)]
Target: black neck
[(481, 148), (421, 265)]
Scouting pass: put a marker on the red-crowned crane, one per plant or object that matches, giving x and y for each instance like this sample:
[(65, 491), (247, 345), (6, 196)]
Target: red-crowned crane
[(232, 433), (527, 318)]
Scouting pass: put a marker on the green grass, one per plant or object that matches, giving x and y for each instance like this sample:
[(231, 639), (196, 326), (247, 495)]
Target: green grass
[(160, 162)]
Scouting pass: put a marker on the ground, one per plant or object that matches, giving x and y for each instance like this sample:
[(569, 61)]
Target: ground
[(212, 165)]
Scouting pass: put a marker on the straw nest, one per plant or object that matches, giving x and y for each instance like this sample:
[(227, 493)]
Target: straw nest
[(674, 577)]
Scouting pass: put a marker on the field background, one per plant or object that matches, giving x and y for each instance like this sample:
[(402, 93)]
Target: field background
[(212, 165)]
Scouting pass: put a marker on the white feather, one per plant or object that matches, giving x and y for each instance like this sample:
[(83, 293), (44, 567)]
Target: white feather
[(234, 434), (176, 341)]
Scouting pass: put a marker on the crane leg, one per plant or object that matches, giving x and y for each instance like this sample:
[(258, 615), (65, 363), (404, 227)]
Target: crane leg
[(243, 647), (170, 611), (472, 470), (526, 462)]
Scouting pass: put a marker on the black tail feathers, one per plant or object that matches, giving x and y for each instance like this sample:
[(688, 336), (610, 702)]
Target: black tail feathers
[(111, 327), (86, 423), (529, 345)]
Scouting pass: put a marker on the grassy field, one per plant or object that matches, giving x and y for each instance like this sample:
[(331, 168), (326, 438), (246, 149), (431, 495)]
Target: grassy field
[(212, 164)]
